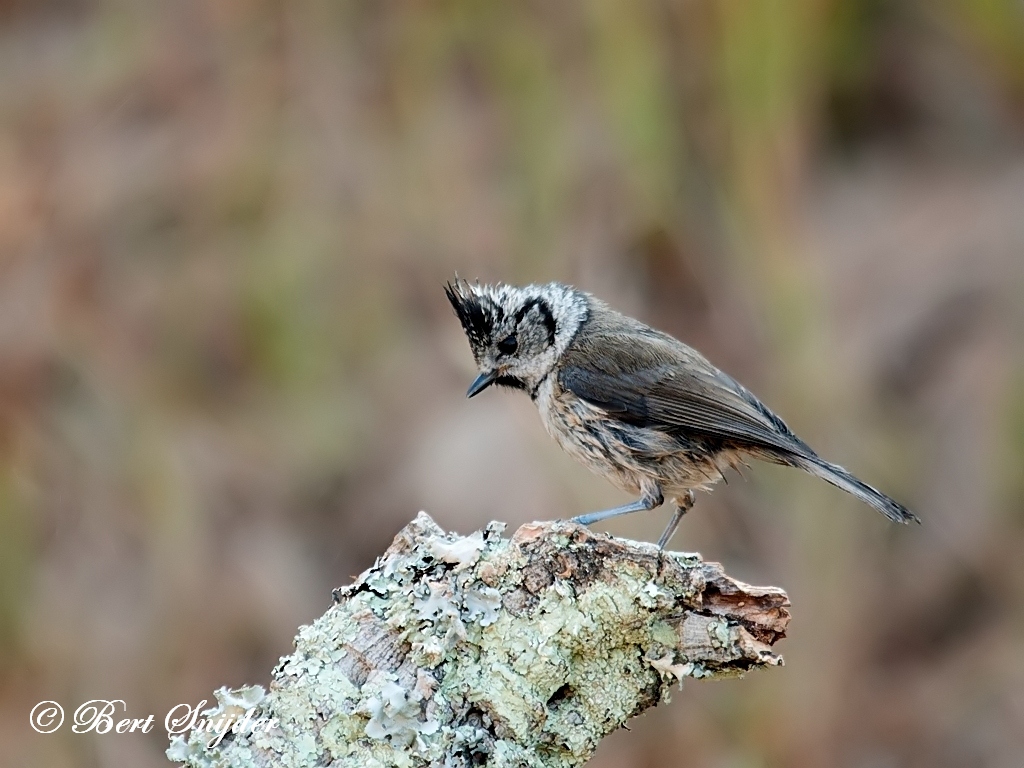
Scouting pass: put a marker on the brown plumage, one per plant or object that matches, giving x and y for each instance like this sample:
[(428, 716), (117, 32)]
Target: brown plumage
[(629, 402)]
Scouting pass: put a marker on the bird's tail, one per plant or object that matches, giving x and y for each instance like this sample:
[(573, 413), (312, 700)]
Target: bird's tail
[(839, 477)]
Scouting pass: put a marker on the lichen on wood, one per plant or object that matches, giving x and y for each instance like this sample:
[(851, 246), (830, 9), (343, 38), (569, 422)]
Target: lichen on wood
[(468, 650)]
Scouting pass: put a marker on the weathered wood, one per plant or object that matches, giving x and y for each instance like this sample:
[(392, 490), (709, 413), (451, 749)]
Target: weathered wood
[(462, 651)]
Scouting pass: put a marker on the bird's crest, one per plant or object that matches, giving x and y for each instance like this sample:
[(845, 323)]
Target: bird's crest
[(477, 312)]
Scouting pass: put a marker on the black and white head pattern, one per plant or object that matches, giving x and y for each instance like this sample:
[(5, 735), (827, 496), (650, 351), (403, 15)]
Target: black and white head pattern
[(517, 333)]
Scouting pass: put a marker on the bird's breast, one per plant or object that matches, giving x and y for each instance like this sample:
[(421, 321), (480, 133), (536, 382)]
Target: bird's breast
[(629, 456), (590, 436)]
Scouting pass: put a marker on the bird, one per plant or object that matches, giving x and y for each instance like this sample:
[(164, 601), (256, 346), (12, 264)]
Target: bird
[(630, 403)]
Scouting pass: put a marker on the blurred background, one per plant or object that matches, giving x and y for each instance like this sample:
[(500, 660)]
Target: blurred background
[(228, 372)]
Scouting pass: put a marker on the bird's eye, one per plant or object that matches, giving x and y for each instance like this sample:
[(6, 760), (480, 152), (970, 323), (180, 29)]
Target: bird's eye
[(508, 345)]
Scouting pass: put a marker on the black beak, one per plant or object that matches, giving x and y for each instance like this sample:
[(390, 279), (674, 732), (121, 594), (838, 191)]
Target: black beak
[(481, 382)]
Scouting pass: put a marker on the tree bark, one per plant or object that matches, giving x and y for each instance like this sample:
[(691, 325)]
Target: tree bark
[(479, 650)]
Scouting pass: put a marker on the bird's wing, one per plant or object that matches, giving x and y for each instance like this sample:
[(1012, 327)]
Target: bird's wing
[(655, 381)]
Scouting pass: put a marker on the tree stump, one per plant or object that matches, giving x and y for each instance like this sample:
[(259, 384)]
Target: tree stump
[(480, 650)]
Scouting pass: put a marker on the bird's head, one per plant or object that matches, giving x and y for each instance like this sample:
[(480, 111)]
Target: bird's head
[(516, 333)]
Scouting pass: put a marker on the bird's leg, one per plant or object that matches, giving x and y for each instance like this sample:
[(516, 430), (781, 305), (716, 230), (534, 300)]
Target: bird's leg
[(682, 507), (650, 500)]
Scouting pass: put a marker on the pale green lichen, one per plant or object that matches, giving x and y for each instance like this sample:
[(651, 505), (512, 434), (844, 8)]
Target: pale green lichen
[(395, 713), (451, 650), (463, 552)]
